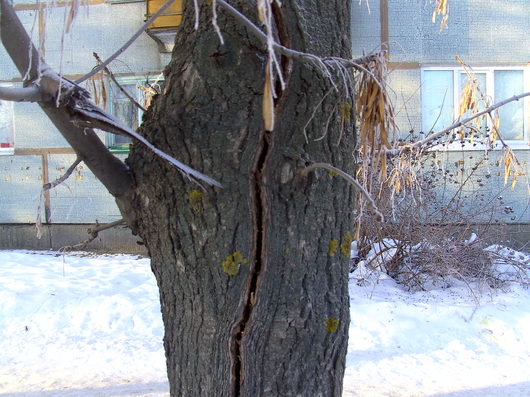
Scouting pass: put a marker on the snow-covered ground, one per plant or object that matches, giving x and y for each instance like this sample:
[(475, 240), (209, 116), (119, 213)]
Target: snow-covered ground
[(89, 326)]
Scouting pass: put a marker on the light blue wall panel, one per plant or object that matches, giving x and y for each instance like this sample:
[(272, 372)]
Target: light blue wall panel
[(405, 29), (96, 30), (81, 198), (366, 27), (20, 188), (101, 28), (479, 31)]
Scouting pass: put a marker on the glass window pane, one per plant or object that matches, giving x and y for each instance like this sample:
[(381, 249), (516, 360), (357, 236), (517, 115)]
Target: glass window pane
[(123, 108), (481, 105), (507, 84), (437, 99), (125, 111), (481, 77)]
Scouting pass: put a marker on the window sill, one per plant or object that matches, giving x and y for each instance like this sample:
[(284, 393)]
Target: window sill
[(119, 149), (7, 151)]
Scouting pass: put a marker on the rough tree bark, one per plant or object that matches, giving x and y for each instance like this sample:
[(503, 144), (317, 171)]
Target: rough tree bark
[(253, 277)]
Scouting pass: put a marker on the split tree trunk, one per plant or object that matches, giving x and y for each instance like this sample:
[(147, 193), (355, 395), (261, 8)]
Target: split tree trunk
[(254, 290)]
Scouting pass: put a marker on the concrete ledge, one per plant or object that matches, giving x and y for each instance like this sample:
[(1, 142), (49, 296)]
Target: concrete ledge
[(56, 236), (513, 235), (121, 240)]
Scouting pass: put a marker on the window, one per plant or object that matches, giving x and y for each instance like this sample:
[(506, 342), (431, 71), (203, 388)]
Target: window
[(7, 141), (124, 109), (441, 91)]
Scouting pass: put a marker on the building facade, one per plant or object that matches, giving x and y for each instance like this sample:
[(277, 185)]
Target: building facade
[(492, 37), (426, 79), (33, 152)]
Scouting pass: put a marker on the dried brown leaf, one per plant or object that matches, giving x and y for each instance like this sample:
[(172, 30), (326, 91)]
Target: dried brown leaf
[(268, 102)]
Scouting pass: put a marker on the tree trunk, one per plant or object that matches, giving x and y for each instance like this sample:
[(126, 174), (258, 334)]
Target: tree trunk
[(253, 277)]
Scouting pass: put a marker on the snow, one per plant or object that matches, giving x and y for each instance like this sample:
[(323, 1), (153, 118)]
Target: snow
[(79, 326), (88, 326)]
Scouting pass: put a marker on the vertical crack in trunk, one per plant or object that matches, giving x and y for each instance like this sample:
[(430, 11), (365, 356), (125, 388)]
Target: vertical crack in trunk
[(258, 198), (259, 207)]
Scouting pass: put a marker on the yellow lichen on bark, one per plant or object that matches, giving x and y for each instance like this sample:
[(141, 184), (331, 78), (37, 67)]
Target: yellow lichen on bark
[(232, 263)]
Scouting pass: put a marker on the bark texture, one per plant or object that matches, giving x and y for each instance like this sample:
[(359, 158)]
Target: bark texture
[(253, 281)]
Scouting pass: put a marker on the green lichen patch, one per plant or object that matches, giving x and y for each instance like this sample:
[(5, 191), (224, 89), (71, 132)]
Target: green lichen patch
[(332, 325), (345, 111), (232, 262), (345, 245), (333, 247), (333, 174), (195, 198)]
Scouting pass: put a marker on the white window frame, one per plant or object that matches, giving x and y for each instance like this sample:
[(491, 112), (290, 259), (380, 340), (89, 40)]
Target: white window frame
[(10, 105), (490, 89)]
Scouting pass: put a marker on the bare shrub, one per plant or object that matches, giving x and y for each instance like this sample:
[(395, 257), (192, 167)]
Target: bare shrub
[(436, 229)]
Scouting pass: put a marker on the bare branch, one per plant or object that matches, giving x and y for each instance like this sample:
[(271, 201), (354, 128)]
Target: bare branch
[(93, 234), (17, 42), (76, 115), (351, 180), (111, 171), (63, 178), (90, 115), (20, 94), (456, 124), (127, 44)]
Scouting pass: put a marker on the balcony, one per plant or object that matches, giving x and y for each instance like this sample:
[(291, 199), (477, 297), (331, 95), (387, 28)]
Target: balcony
[(164, 28)]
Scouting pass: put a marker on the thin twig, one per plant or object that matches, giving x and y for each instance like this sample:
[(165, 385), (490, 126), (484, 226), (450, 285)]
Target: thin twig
[(351, 180), (107, 71), (58, 181), (127, 44), (314, 113), (196, 6), (93, 233), (214, 22)]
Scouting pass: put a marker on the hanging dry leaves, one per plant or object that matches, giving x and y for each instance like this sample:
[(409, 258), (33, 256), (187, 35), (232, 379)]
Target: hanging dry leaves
[(374, 110), (512, 167), (441, 9), (97, 87), (73, 10)]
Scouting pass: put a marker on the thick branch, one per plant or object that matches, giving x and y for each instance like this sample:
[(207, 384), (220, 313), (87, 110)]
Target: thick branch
[(17, 42), (75, 115), (111, 171), (127, 44), (86, 113), (349, 179), (456, 124), (20, 94)]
